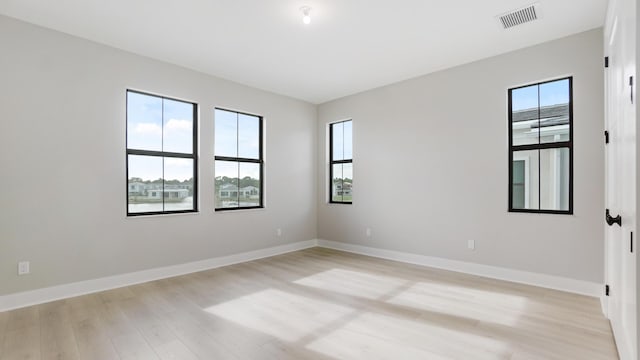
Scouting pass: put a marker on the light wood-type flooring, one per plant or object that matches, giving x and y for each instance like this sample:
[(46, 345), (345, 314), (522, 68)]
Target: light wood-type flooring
[(313, 304)]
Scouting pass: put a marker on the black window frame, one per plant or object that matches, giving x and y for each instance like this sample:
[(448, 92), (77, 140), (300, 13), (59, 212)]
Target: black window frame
[(541, 146), (163, 155), (335, 162), (239, 160)]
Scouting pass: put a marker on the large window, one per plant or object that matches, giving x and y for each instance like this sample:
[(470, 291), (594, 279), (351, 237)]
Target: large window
[(161, 155), (541, 147), (341, 162), (238, 160)]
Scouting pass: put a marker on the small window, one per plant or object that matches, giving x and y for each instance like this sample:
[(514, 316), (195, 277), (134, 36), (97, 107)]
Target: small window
[(541, 147), (341, 162), (161, 155), (238, 160)]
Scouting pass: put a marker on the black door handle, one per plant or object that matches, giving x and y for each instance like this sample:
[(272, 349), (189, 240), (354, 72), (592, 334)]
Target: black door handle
[(612, 220)]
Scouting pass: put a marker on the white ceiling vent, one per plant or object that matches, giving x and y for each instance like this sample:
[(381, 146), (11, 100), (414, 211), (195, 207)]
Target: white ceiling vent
[(519, 16)]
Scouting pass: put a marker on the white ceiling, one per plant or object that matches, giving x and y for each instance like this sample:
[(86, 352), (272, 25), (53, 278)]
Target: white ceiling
[(350, 45)]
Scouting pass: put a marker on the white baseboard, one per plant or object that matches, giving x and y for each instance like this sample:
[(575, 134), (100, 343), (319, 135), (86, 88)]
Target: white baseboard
[(39, 296), (494, 272)]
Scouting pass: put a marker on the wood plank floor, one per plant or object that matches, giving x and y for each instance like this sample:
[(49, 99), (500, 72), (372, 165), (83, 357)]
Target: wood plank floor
[(313, 304)]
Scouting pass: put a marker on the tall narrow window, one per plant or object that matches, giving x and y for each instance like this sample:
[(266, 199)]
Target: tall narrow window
[(161, 155), (238, 160), (541, 147), (341, 162)]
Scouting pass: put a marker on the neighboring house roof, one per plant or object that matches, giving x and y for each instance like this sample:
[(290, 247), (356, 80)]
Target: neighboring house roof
[(549, 115)]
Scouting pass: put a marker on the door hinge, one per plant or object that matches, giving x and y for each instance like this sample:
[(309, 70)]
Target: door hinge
[(631, 243), (606, 290), (631, 86), (606, 137), (606, 61)]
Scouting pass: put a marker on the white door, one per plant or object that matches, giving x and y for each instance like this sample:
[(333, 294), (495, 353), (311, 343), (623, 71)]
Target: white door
[(620, 179)]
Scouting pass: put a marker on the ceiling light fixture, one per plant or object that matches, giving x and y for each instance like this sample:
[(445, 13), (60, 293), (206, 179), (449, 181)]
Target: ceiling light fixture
[(306, 18)]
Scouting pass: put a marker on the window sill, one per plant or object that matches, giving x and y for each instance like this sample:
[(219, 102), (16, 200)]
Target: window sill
[(339, 203), (548, 212), (233, 210), (147, 216)]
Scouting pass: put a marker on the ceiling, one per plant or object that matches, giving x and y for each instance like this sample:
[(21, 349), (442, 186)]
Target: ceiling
[(350, 45)]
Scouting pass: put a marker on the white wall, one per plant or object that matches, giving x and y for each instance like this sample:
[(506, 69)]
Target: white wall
[(62, 161), (431, 165)]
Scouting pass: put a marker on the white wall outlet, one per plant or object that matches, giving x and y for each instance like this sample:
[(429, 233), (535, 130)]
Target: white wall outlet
[(471, 244), (23, 268), (367, 232), (279, 232)]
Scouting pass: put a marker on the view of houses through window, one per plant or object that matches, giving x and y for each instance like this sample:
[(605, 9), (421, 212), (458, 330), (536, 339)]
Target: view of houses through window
[(161, 160), (238, 160), (540, 120), (341, 162)]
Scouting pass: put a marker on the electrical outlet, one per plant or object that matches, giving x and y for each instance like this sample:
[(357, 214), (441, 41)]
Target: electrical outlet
[(471, 244), (367, 232), (279, 232), (23, 268)]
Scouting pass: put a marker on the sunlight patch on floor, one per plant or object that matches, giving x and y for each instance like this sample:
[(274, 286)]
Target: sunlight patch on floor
[(451, 300), (378, 336), (286, 316), (353, 283)]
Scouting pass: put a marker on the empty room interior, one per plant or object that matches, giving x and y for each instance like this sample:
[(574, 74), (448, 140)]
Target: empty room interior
[(320, 179)]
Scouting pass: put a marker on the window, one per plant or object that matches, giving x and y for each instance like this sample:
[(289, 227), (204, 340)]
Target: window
[(340, 162), (238, 160), (541, 147), (161, 155)]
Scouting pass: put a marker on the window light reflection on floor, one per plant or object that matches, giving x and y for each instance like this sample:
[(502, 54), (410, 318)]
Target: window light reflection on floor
[(493, 307), (378, 336), (348, 282), (270, 311)]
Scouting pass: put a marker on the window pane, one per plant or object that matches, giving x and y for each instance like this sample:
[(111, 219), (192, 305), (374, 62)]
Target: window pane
[(524, 116), (338, 141), (524, 181), (249, 184), (518, 184), (178, 184), (144, 183), (144, 122), (227, 184), (226, 133), (336, 183), (554, 179), (178, 127), (248, 136), (348, 139), (341, 187), (554, 111), (347, 182)]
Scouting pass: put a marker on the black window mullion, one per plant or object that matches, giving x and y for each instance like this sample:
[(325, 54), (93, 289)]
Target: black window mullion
[(238, 192), (332, 183), (247, 160), (539, 153), (162, 147), (550, 145), (160, 153), (194, 152)]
